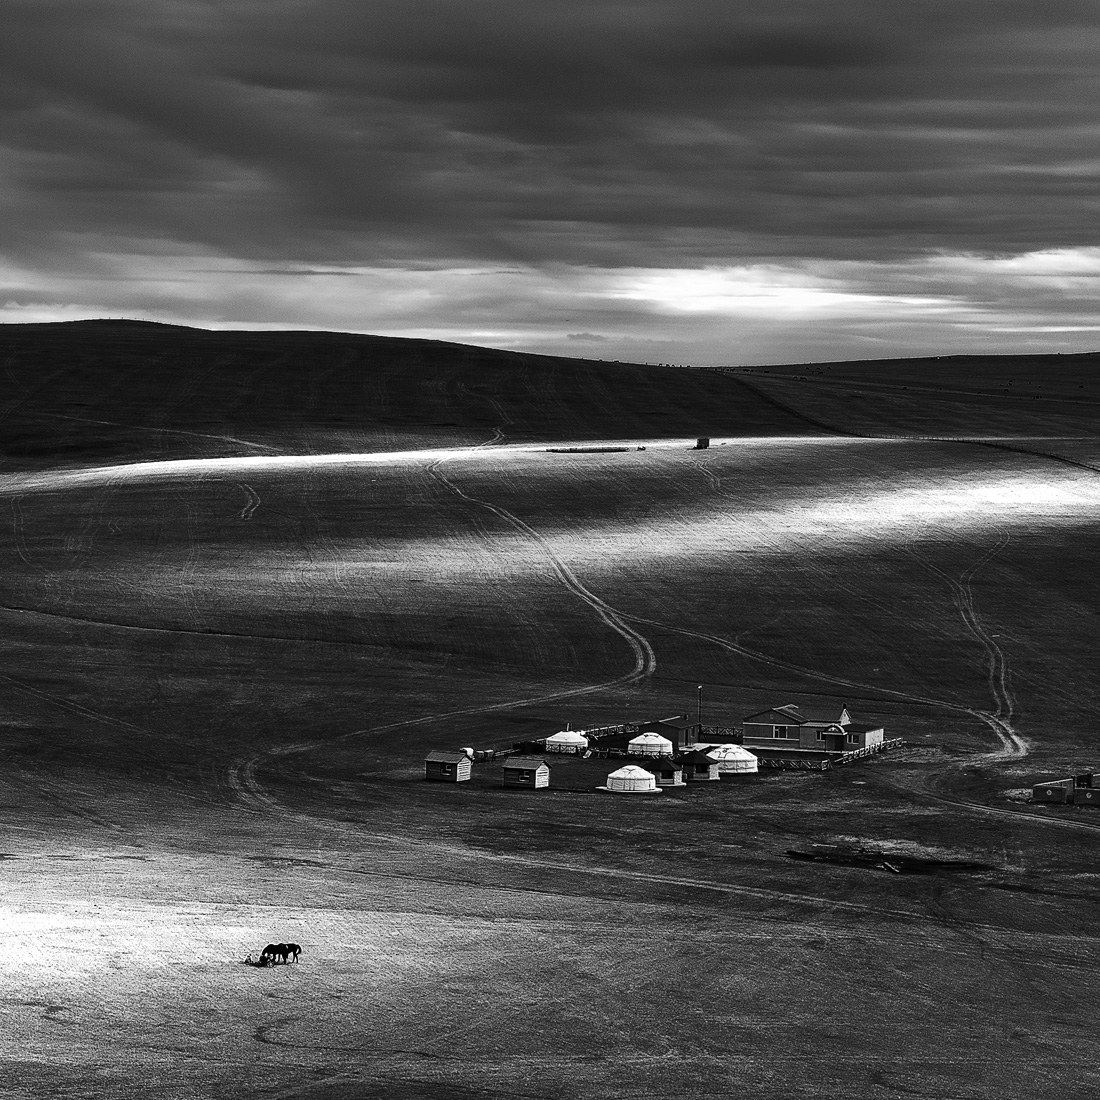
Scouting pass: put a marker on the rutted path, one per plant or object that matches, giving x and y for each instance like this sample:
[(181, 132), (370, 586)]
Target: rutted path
[(1013, 746), (645, 660), (249, 510), (814, 674)]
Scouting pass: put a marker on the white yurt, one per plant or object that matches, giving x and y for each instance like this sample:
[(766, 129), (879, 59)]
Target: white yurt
[(632, 779), (567, 741), (733, 759), (649, 744)]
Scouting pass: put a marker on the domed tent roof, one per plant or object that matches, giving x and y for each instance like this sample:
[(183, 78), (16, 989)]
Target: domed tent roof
[(632, 780), (567, 739), (733, 758), (650, 744)]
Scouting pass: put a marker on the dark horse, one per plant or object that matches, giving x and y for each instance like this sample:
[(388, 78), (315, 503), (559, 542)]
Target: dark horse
[(282, 951)]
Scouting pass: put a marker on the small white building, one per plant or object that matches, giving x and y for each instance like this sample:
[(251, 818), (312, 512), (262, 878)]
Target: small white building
[(649, 744), (732, 759), (567, 741), (632, 779)]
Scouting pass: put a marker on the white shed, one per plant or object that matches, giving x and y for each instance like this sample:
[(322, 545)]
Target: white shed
[(733, 759), (649, 744), (567, 741), (632, 779)]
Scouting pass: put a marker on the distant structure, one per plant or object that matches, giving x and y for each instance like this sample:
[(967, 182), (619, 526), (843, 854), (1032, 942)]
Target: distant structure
[(1081, 790), (699, 765), (702, 443), (526, 771), (678, 729), (567, 741), (447, 767), (649, 744), (827, 727), (667, 772), (632, 779), (734, 760)]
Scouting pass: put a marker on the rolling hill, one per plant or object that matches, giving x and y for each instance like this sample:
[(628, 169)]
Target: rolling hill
[(252, 578)]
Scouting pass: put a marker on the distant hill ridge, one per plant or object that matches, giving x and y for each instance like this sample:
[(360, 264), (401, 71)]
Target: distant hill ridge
[(105, 390)]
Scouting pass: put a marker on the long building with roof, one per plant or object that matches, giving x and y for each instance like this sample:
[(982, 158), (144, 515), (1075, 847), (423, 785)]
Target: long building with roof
[(825, 727)]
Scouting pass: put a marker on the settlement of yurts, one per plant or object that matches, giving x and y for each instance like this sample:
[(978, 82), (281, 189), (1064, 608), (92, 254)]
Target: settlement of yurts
[(648, 757)]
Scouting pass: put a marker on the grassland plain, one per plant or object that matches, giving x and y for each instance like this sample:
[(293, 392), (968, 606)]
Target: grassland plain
[(219, 681)]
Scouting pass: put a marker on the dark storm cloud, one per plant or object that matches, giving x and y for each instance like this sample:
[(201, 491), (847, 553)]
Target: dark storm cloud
[(626, 133), (289, 139)]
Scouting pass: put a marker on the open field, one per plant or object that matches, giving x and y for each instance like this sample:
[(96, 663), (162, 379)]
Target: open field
[(237, 613)]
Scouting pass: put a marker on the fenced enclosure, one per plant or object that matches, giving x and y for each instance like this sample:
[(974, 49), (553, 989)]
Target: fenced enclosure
[(870, 750)]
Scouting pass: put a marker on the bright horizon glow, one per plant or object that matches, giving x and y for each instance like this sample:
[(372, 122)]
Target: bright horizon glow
[(788, 311)]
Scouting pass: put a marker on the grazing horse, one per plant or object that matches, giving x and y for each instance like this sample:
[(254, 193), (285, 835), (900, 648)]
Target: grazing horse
[(282, 951)]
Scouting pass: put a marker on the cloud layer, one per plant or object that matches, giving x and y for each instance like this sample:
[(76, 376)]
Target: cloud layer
[(667, 181)]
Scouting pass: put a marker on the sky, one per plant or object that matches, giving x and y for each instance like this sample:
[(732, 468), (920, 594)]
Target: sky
[(744, 181)]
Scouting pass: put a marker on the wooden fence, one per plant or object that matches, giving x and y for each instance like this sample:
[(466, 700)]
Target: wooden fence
[(797, 765), (715, 732), (871, 750), (607, 731)]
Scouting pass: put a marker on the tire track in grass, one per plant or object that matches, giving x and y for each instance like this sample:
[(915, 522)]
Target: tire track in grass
[(505, 419), (704, 468), (988, 719), (645, 660), (252, 795), (242, 772), (1013, 745), (163, 431), (50, 585), (249, 510), (17, 530)]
